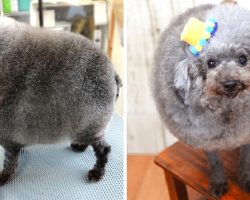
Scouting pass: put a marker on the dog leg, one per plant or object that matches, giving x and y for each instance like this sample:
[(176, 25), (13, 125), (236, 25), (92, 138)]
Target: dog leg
[(218, 182), (101, 149), (244, 178), (9, 156), (78, 147)]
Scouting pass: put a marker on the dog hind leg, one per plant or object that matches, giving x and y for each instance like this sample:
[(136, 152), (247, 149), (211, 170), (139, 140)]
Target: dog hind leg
[(79, 147), (102, 150), (9, 156)]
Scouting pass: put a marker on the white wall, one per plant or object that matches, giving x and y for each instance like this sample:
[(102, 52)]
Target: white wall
[(146, 20)]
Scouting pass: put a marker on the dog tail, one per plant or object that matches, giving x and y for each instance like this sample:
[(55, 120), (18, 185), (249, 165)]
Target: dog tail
[(118, 84)]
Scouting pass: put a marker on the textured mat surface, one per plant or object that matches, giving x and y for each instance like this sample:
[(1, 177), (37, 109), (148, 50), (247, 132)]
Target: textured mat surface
[(55, 172)]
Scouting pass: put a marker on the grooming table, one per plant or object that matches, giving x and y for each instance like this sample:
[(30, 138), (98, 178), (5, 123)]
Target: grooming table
[(184, 166), (55, 172)]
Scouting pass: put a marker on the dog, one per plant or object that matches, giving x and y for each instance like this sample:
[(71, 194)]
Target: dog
[(204, 100), (54, 85)]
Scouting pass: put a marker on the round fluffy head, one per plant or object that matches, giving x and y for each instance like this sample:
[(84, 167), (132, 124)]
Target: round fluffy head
[(205, 100), (225, 61)]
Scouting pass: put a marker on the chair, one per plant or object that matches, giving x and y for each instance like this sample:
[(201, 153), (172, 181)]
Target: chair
[(184, 166)]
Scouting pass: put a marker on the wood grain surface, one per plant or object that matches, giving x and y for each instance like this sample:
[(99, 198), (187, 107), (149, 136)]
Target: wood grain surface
[(191, 167)]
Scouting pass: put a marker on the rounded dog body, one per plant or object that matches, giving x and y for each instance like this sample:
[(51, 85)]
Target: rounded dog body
[(205, 100), (190, 96), (53, 86)]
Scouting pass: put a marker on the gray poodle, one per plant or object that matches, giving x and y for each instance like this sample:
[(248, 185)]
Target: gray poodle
[(205, 100), (53, 86)]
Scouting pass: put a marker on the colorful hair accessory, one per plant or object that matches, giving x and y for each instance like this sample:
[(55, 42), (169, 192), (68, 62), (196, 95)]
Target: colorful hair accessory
[(197, 33)]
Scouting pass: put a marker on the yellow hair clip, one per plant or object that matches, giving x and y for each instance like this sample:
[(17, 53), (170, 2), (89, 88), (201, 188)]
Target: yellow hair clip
[(196, 33)]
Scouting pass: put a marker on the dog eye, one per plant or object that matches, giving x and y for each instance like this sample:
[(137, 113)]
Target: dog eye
[(242, 60), (211, 63)]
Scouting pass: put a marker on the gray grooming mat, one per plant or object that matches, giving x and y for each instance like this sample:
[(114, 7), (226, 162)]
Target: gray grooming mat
[(55, 172)]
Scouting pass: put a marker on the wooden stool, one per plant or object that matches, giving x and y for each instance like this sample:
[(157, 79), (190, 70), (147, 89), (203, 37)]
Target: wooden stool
[(184, 166)]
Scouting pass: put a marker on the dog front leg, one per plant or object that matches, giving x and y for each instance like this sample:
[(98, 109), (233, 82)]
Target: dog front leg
[(244, 178), (218, 182)]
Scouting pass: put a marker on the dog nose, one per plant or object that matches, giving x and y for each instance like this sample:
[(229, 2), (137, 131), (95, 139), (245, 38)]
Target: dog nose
[(230, 85)]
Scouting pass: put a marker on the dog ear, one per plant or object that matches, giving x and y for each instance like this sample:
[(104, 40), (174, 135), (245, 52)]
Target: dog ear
[(181, 79)]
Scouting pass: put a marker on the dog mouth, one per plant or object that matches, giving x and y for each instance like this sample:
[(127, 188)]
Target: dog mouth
[(232, 95)]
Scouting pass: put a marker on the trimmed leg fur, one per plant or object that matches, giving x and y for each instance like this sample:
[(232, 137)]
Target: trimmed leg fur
[(11, 152), (101, 149), (244, 178), (218, 182), (79, 147)]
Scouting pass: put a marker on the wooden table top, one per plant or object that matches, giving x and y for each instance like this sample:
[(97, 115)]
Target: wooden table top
[(191, 167)]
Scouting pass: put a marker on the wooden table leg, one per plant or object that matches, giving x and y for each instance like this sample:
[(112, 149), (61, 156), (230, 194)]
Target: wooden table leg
[(177, 189)]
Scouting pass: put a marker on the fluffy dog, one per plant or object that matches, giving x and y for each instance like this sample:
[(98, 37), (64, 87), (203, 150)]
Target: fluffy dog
[(53, 85), (205, 100)]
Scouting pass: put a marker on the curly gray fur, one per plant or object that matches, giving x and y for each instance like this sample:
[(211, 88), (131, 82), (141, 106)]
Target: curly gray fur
[(189, 96), (193, 99), (53, 86)]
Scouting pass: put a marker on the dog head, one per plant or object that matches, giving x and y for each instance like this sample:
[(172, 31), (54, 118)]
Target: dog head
[(227, 69), (223, 68)]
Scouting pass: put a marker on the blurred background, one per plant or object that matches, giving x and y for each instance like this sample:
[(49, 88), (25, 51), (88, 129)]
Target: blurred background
[(99, 20)]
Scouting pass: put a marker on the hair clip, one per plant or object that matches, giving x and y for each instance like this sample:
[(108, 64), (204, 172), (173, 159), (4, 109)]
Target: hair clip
[(197, 33)]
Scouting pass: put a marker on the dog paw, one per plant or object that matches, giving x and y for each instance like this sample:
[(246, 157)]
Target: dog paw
[(5, 176), (245, 183), (219, 189), (95, 175), (78, 147), (246, 186)]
